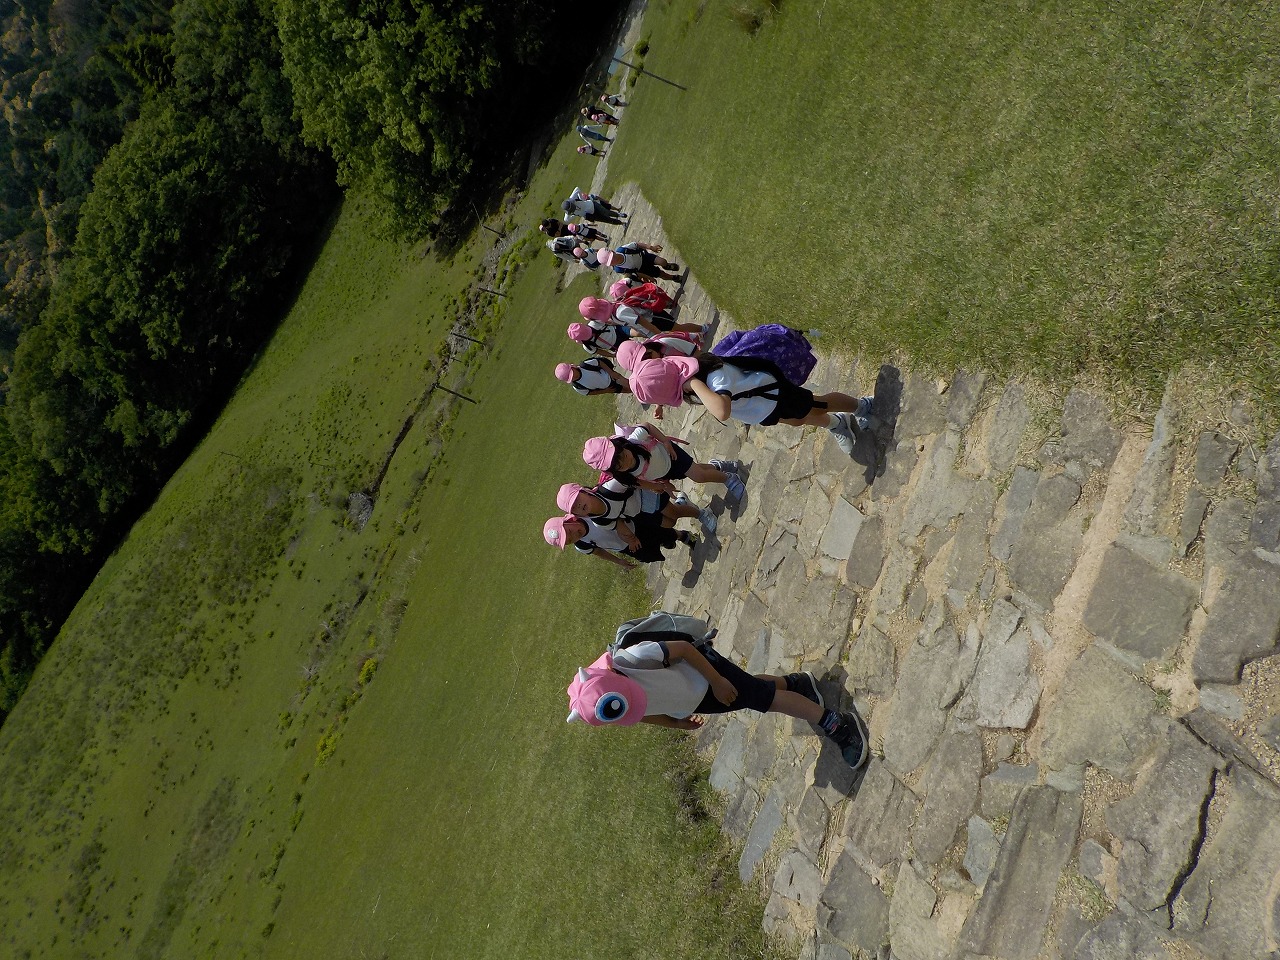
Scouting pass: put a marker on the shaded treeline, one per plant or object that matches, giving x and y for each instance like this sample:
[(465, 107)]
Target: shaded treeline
[(170, 167)]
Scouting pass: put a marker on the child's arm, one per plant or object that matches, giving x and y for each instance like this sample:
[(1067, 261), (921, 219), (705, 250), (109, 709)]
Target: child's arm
[(683, 650), (624, 563), (717, 403), (671, 723)]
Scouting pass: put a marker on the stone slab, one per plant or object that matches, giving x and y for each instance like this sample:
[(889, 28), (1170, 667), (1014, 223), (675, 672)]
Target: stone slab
[(1120, 937), (1244, 621), (1011, 919), (1013, 508), (730, 762), (853, 910), (1102, 715), (923, 410), (968, 557), (798, 879), (981, 850), (867, 554), (1048, 542), (763, 828), (1154, 479), (1214, 454), (914, 934), (879, 819), (1264, 530), (871, 663), (950, 788), (842, 530), (1138, 608), (1086, 435), (1009, 423), (916, 714)]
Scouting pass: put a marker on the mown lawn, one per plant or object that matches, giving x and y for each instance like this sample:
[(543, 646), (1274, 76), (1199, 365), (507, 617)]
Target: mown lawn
[(1068, 189), (267, 733)]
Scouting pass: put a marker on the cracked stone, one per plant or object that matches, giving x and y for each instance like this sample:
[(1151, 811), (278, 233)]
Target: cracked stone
[(880, 816), (913, 932), (1226, 531), (1244, 621), (1049, 542), (1010, 422), (900, 461), (871, 662), (950, 788), (1154, 479), (968, 557), (852, 909), (1214, 453), (1086, 435), (763, 828), (1193, 513), (916, 717), (1017, 500), (1120, 937), (1004, 691), (798, 879)]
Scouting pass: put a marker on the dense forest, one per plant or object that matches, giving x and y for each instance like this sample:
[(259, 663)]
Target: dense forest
[(167, 168)]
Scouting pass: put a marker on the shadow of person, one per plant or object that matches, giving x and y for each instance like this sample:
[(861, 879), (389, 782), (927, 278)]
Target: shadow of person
[(832, 770), (707, 550), (871, 445)]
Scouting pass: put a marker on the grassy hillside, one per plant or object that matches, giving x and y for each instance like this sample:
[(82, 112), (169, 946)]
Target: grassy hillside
[(268, 733), (1061, 188)]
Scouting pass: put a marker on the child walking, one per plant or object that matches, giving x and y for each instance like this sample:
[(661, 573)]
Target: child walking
[(663, 670)]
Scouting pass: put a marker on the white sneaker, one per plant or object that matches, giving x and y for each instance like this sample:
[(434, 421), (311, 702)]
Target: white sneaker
[(843, 432), (707, 519)]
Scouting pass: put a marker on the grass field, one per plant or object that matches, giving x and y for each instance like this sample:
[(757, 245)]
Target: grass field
[(1068, 188), (267, 733)]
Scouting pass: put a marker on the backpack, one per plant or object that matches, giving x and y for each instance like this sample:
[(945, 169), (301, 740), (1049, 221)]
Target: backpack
[(786, 348), (675, 343), (660, 625), (647, 296)]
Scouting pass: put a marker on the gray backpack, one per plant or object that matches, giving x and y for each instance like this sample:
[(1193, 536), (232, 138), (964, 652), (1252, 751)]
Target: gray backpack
[(660, 625)]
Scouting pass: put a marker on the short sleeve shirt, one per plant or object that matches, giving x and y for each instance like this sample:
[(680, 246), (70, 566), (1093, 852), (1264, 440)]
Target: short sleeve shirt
[(673, 689), (632, 258), (592, 375), (659, 462), (599, 537), (730, 380)]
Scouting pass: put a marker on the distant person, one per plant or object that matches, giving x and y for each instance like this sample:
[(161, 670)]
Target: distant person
[(640, 260), (663, 670), (590, 151), (599, 338), (592, 377), (616, 544), (750, 390), (613, 100), (651, 322), (596, 115), (615, 499), (586, 133), (583, 232), (589, 206)]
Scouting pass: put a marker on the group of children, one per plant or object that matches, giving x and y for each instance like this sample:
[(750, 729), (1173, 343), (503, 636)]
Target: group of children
[(662, 669)]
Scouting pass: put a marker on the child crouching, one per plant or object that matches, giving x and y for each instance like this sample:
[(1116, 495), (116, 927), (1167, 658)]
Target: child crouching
[(662, 670)]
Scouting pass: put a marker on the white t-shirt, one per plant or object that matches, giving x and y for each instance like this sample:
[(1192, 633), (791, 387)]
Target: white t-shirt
[(592, 376), (631, 316), (604, 335), (659, 463), (625, 508), (597, 536), (729, 380), (673, 689), (631, 258)]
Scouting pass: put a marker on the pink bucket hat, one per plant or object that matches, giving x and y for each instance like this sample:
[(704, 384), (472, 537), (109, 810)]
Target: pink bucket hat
[(553, 530), (619, 290), (579, 332), (608, 257), (567, 494), (603, 697), (564, 372), (595, 308), (630, 353), (598, 452), (662, 380)]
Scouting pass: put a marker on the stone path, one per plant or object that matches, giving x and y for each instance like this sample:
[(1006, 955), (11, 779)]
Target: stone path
[(1062, 632)]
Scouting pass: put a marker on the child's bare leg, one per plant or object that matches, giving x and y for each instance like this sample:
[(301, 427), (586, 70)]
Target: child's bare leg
[(705, 473), (674, 511), (792, 704)]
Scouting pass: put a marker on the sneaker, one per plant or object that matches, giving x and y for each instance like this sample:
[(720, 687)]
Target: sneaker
[(804, 684), (726, 466), (735, 488), (707, 519), (704, 332), (690, 540), (851, 737), (866, 410), (843, 432), (680, 498)]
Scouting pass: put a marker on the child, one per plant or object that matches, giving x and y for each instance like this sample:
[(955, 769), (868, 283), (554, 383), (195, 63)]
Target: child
[(638, 318), (598, 116), (663, 670), (646, 457), (640, 260), (587, 150), (612, 99), (597, 337), (592, 377), (584, 233), (750, 390), (613, 499), (617, 544), (590, 206)]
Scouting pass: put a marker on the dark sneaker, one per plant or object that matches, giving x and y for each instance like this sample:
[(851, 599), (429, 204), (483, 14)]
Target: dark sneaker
[(804, 684), (851, 737)]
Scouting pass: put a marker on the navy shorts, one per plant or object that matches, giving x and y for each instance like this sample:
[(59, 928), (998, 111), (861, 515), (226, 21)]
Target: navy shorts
[(753, 693), (794, 403)]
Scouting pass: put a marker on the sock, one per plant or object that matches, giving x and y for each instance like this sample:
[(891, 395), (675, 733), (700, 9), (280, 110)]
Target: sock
[(830, 722), (832, 421)]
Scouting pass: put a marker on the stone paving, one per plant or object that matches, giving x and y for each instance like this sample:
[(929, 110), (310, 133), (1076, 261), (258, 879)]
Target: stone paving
[(1062, 631)]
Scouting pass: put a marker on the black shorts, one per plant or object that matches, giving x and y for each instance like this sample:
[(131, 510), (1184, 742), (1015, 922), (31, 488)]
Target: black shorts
[(753, 693), (653, 536), (681, 463), (794, 403)]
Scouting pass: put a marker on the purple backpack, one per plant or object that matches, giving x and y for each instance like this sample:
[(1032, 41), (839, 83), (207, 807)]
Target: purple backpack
[(786, 348)]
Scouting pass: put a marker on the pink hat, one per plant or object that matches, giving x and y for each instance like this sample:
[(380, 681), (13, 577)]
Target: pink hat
[(630, 353), (601, 696), (608, 257), (579, 252), (553, 530), (598, 452), (595, 308), (662, 380), (567, 494), (619, 290), (564, 372), (579, 332)]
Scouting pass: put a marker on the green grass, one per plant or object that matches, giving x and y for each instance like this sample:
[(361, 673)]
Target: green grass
[(264, 733), (1069, 189)]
